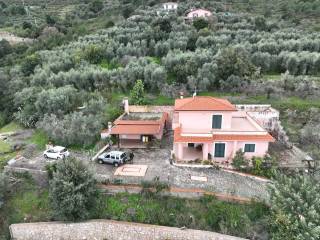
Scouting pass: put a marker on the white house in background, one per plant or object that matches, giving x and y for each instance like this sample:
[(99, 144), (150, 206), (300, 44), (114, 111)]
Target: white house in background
[(170, 6), (198, 13)]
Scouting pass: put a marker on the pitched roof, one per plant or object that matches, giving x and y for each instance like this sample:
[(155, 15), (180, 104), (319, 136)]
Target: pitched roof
[(203, 103), (221, 137), (123, 126)]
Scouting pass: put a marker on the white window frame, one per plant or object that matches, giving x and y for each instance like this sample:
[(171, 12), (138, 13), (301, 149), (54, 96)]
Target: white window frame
[(255, 147), (219, 114), (225, 150)]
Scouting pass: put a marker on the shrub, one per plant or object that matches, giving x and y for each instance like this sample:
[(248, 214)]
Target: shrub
[(73, 192), (239, 162), (200, 23)]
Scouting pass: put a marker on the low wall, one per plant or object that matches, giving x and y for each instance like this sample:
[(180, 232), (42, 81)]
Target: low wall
[(108, 230), (191, 193)]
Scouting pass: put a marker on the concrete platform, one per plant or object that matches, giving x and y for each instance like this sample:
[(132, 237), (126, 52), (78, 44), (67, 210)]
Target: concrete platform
[(131, 170)]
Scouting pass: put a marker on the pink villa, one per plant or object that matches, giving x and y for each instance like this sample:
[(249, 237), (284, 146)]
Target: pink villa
[(207, 128), (198, 13)]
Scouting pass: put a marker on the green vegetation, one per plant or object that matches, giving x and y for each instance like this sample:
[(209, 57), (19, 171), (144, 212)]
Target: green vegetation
[(295, 208), (11, 127), (88, 55), (4, 158), (4, 147), (24, 202), (73, 192), (207, 213), (39, 138), (137, 95)]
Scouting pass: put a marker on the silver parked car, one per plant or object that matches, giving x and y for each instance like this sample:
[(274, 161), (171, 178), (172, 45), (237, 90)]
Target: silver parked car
[(113, 157)]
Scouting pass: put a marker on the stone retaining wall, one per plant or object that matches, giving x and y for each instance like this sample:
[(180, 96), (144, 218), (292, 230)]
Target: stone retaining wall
[(108, 230)]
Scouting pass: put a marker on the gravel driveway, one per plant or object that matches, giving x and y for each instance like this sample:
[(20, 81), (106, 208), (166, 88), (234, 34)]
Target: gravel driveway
[(159, 166)]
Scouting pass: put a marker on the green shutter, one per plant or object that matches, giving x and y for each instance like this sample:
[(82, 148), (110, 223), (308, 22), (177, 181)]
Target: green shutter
[(249, 147), (216, 121), (219, 149)]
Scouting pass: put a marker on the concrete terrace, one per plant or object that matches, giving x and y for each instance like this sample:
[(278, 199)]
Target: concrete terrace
[(142, 116)]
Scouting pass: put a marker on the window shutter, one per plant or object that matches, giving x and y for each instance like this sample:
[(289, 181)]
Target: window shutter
[(216, 121), (219, 149), (249, 147)]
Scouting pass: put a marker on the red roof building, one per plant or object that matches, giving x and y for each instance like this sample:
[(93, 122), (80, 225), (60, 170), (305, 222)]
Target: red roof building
[(212, 128), (139, 129)]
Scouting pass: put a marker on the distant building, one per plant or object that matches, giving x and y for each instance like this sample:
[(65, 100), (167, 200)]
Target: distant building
[(170, 6), (198, 13)]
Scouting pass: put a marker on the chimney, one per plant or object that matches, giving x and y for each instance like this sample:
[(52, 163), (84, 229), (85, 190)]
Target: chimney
[(181, 95), (126, 105), (109, 126)]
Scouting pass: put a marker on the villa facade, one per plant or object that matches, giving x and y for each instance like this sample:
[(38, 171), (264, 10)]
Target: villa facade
[(198, 13), (207, 128)]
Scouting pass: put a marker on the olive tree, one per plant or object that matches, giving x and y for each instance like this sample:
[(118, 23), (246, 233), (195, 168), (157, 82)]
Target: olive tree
[(295, 208), (73, 192), (73, 129)]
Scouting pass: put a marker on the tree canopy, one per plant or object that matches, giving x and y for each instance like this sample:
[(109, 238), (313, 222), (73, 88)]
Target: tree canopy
[(73, 192)]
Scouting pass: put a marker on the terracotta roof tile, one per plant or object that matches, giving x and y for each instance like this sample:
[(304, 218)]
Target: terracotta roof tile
[(203, 103), (138, 126)]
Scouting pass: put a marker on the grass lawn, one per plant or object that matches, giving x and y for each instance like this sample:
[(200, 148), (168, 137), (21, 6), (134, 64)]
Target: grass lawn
[(11, 127), (282, 104), (208, 213), (4, 147), (160, 100), (39, 138), (25, 203), (276, 76)]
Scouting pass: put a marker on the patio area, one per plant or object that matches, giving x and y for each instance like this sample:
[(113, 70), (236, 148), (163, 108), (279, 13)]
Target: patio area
[(132, 143), (192, 154)]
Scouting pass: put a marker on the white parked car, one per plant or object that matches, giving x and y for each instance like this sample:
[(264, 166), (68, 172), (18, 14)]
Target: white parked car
[(56, 152)]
